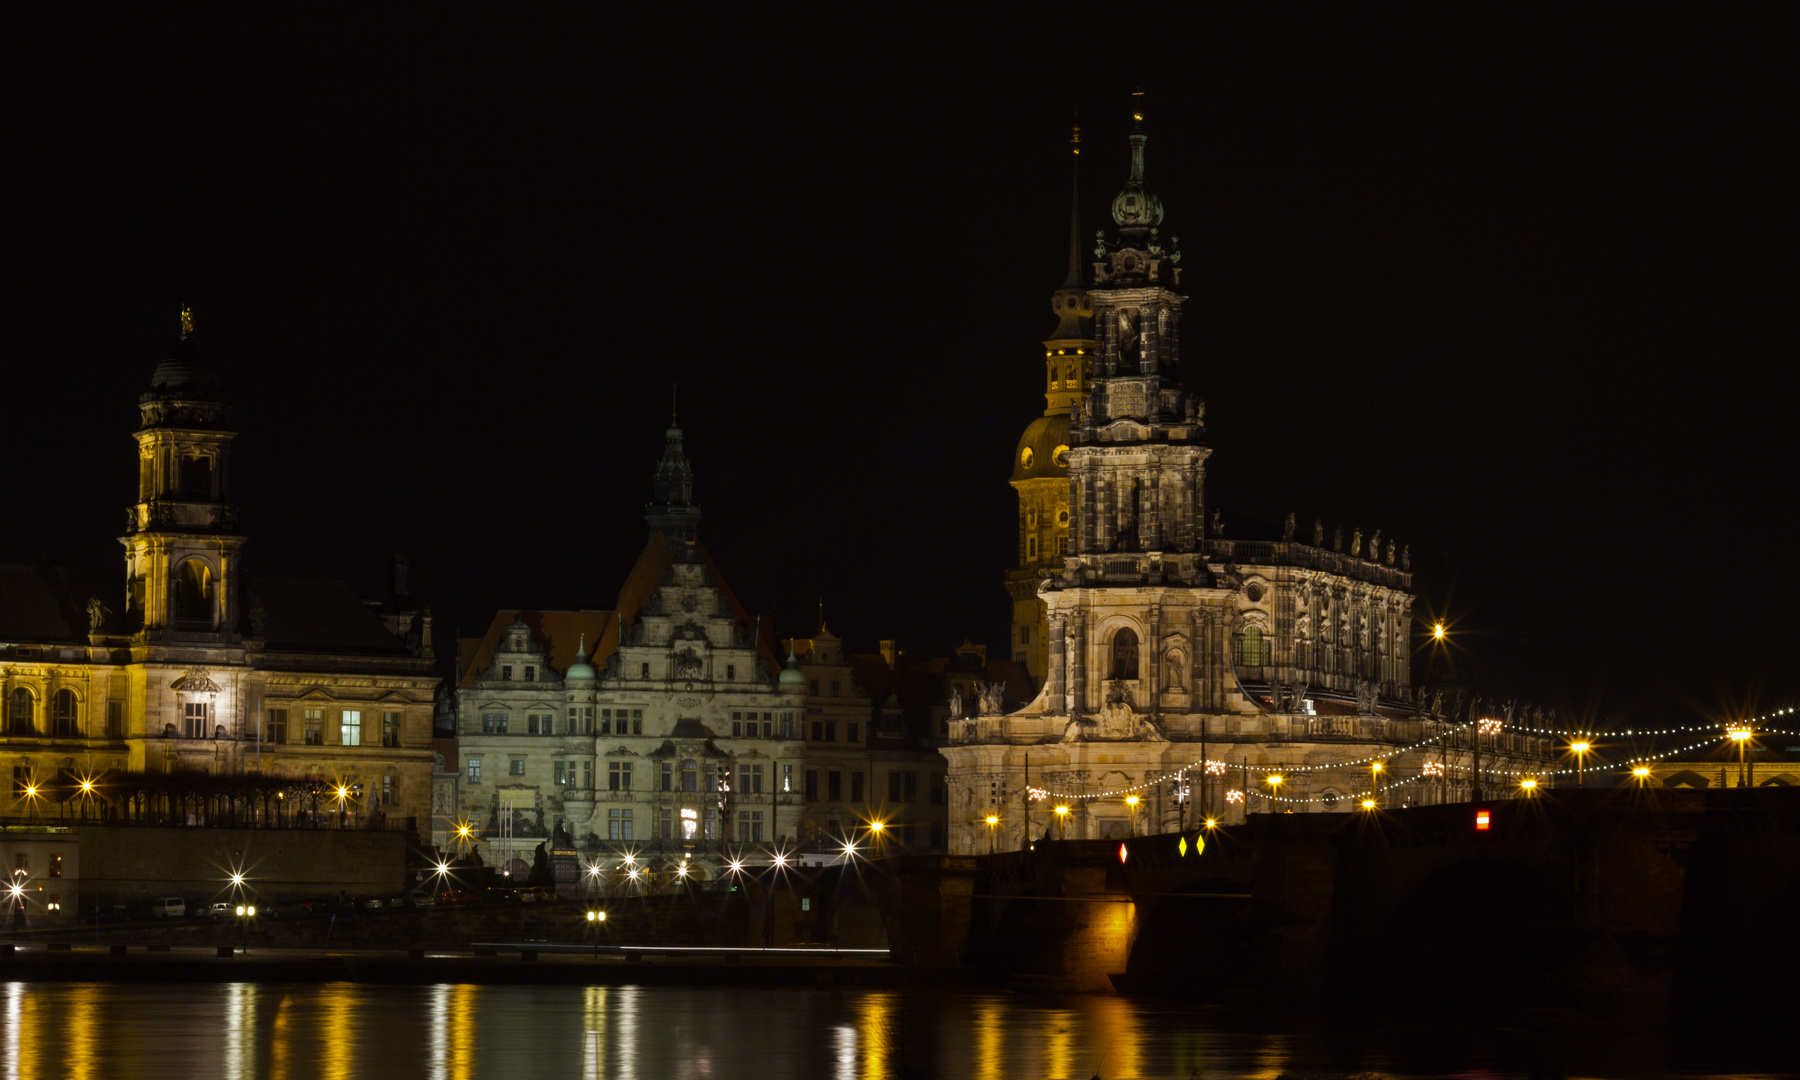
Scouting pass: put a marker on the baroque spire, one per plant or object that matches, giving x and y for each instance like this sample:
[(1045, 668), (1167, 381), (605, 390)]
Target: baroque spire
[(672, 510), (1136, 208)]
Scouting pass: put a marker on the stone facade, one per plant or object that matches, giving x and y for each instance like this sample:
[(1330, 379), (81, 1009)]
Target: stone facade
[(191, 665), (666, 728), (1168, 645)]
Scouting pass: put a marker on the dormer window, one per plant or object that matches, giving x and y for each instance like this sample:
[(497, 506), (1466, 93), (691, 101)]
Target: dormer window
[(506, 673), (530, 673)]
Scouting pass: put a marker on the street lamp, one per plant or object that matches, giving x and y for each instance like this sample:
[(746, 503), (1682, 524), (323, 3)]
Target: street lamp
[(1275, 783), (1581, 749), (1741, 736), (1375, 768), (1368, 804), (1437, 631), (1062, 821), (993, 821), (1529, 786), (1131, 801)]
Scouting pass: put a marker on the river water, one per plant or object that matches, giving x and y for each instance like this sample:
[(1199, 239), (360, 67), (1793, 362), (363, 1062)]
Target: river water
[(237, 1031)]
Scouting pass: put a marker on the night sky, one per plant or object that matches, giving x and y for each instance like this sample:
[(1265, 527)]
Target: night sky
[(1518, 293)]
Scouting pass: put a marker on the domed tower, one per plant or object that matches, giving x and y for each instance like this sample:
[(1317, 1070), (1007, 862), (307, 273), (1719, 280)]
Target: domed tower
[(673, 512), (181, 544), (1040, 472)]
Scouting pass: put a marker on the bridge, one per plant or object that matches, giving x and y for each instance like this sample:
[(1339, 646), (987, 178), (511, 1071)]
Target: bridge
[(1622, 903)]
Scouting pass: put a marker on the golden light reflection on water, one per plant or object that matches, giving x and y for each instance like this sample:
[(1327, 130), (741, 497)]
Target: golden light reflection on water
[(81, 1043), (1059, 1042), (990, 1040), (337, 1029), (240, 1032), (21, 1050), (593, 1034), (1115, 1037), (1271, 1058), (875, 1033)]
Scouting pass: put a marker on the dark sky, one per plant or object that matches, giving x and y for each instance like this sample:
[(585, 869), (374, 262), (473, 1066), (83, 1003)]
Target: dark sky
[(1519, 293)]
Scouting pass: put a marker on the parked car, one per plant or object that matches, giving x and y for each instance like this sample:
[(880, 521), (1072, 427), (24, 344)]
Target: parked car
[(422, 901), (220, 910), (169, 907), (456, 898), (373, 902)]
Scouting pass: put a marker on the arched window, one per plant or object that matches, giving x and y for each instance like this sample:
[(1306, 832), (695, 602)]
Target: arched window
[(62, 715), (1125, 654), (690, 776), (1249, 649), (18, 712), (196, 477), (193, 591)]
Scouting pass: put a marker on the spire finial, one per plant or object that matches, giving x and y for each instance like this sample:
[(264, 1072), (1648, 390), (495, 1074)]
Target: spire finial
[(187, 320), (1074, 280)]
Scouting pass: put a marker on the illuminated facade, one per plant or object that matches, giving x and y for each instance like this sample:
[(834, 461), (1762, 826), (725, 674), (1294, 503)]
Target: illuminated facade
[(666, 727), (1162, 643), (191, 665)]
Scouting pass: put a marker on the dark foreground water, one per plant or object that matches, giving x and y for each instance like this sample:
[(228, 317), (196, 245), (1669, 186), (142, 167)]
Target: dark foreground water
[(346, 1030)]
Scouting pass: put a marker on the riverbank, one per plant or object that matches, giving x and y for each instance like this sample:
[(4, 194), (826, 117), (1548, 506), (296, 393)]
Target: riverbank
[(497, 963)]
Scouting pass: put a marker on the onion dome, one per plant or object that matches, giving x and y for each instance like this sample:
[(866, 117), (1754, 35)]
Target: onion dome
[(580, 670), (791, 675), (1136, 207), (184, 372)]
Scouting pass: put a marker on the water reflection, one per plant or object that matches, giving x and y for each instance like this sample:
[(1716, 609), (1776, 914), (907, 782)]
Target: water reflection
[(463, 1032)]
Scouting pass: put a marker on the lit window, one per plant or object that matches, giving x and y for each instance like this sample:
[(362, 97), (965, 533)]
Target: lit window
[(516, 766), (350, 727), (315, 727), (474, 770), (194, 719), (390, 729)]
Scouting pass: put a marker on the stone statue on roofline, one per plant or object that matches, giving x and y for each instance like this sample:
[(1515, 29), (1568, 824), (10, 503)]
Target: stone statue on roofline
[(1287, 528), (1318, 532)]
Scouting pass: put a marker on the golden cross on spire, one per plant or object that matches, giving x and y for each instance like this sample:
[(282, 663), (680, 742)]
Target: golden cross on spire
[(187, 320), (1075, 137)]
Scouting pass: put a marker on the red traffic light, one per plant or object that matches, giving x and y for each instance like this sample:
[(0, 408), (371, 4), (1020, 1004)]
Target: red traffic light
[(1481, 821)]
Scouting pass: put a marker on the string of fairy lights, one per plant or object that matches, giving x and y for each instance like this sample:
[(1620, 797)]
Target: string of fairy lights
[(1736, 731)]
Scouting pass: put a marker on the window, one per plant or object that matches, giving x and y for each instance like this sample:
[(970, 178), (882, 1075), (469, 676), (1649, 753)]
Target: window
[(911, 786), (606, 722), (276, 729), (193, 719), (315, 727), (737, 729), (787, 778), (506, 672), (750, 779), (893, 787), (196, 477), (531, 673), (618, 776), (115, 719), (350, 727), (22, 862), (561, 779), (1125, 654), (818, 731), (581, 719), (637, 721), (390, 729), (750, 823), (474, 770), (665, 824), (668, 776), (618, 824), (836, 688), (815, 688), (690, 776), (730, 672), (494, 723), (1248, 649), (193, 592), (787, 724), (55, 866), (646, 670), (690, 822), (710, 823), (855, 733), (390, 790), (1031, 547), (587, 775), (856, 787), (812, 785), (516, 766), (834, 786), (536, 724), (831, 731), (62, 715)]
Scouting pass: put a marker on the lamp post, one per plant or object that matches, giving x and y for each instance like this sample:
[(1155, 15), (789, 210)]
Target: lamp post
[(1741, 736), (1131, 804), (1375, 768), (1275, 782), (993, 822), (1581, 749), (1528, 786), (1062, 819)]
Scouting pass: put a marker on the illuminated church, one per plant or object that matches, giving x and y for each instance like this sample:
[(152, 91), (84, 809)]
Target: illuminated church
[(1160, 645)]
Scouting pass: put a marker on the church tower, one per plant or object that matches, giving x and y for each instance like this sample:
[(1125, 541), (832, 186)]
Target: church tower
[(673, 512), (182, 565), (1040, 461)]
